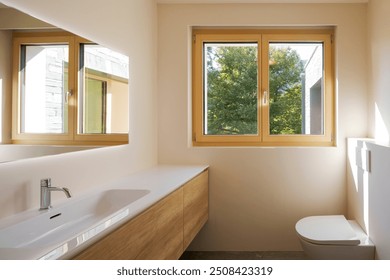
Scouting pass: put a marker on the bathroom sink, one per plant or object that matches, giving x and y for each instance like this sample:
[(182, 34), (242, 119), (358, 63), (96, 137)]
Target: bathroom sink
[(52, 233)]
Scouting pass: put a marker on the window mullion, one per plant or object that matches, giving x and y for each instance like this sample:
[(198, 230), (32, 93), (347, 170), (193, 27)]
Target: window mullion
[(265, 94), (260, 70), (72, 92)]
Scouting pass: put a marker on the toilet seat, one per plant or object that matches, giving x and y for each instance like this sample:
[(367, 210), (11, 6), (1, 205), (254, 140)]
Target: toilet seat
[(327, 230)]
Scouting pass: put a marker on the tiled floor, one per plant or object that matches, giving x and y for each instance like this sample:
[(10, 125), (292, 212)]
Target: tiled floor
[(242, 255)]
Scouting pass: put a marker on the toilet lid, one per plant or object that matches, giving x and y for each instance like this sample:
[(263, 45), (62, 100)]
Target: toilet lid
[(327, 230)]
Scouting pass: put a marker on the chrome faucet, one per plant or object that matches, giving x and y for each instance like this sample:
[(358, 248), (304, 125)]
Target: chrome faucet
[(46, 190)]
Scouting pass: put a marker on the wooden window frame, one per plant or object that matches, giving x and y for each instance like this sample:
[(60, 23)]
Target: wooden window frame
[(72, 136), (263, 37)]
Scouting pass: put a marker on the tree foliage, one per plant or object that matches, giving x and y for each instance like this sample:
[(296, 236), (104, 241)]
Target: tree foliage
[(232, 75), (285, 91), (232, 90)]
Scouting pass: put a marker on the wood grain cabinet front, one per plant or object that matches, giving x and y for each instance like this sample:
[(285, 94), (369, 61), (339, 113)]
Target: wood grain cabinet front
[(163, 231), (196, 206)]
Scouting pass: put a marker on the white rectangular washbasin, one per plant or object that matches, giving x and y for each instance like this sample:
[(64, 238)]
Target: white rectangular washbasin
[(52, 233)]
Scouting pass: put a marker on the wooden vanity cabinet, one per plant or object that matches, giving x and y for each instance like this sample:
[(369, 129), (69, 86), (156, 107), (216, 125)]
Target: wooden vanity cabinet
[(163, 231), (196, 206), (154, 234)]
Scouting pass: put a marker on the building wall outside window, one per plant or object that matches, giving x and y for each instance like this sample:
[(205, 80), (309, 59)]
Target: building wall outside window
[(313, 94)]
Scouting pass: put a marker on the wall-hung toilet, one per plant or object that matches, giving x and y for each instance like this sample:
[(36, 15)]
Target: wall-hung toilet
[(334, 238)]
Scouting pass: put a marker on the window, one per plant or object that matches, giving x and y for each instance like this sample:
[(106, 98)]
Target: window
[(263, 87), (37, 61), (67, 90), (103, 82)]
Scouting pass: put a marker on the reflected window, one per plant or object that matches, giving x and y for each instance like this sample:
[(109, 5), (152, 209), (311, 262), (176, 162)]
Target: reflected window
[(43, 85), (68, 90), (103, 85)]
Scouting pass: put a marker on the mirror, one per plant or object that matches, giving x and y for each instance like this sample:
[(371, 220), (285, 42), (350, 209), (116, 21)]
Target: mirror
[(46, 93)]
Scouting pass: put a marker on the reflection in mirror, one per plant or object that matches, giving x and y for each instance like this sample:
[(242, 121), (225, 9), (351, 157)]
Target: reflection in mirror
[(50, 100), (44, 80), (98, 98), (103, 87)]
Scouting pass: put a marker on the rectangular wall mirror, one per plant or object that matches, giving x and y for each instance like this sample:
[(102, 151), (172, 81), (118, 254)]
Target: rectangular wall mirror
[(68, 93)]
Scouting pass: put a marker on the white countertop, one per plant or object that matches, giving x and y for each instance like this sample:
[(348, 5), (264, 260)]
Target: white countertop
[(159, 180)]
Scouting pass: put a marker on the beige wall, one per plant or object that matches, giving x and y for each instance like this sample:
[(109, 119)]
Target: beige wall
[(379, 70), (258, 194), (368, 192), (119, 99), (13, 19), (118, 27)]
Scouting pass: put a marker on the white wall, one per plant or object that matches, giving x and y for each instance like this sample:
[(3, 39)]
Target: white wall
[(368, 192), (258, 194), (379, 57), (126, 26)]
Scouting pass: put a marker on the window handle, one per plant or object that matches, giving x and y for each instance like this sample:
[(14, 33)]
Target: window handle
[(265, 96), (68, 94)]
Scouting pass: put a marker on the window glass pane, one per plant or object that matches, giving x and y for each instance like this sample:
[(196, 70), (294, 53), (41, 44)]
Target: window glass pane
[(230, 89), (95, 104), (44, 84), (296, 88), (103, 81)]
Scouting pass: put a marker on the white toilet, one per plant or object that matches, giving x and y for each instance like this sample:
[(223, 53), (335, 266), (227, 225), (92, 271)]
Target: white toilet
[(334, 238)]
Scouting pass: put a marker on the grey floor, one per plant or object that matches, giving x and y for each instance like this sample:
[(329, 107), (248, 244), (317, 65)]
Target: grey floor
[(242, 255)]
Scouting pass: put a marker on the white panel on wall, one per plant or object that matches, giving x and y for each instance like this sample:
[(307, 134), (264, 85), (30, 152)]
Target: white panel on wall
[(369, 192), (379, 199)]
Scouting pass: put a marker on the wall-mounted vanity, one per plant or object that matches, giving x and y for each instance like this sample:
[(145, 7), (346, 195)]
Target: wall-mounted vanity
[(163, 231), (153, 214)]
